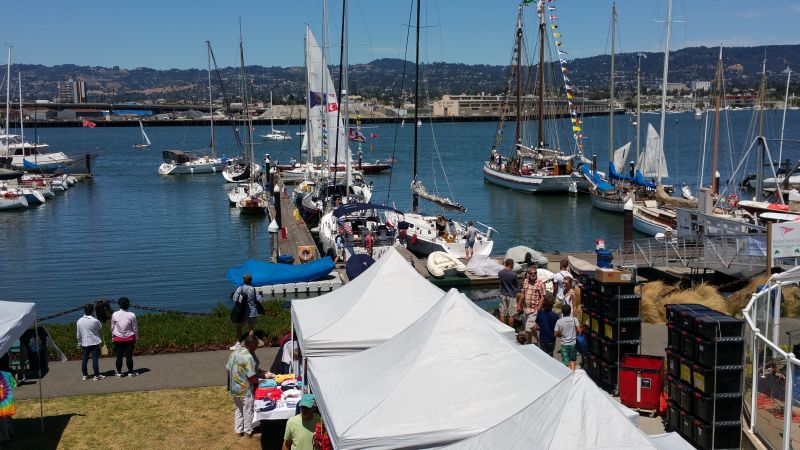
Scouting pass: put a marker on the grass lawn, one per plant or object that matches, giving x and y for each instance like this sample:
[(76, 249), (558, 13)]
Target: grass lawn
[(170, 419)]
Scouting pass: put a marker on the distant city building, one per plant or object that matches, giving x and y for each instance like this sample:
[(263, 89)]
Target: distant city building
[(483, 105), (740, 101), (677, 87), (700, 85), (71, 91)]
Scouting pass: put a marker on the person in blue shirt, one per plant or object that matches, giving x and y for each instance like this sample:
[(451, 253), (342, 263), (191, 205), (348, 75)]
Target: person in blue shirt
[(545, 324)]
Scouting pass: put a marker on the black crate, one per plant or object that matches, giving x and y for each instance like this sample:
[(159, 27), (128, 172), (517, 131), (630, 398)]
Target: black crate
[(595, 341), (687, 424), (622, 329), (586, 316), (674, 311), (719, 352), (728, 407), (613, 351), (672, 387), (609, 374), (597, 322), (673, 363), (725, 434), (686, 370), (717, 325), (685, 397), (594, 366), (673, 416), (609, 289), (589, 367), (687, 344), (620, 306), (673, 336), (589, 299), (720, 380)]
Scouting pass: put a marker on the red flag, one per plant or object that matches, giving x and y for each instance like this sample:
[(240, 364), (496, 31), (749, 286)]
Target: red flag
[(332, 107), (88, 124), (373, 135)]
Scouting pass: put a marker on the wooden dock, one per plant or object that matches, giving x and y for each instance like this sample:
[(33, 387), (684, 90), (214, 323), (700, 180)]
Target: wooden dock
[(296, 235)]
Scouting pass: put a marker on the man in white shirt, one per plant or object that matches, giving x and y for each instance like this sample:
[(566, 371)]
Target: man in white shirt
[(89, 341), (558, 280)]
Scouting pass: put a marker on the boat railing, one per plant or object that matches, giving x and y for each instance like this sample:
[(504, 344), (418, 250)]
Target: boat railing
[(740, 254)]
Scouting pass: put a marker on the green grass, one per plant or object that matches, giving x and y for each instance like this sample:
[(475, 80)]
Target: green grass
[(175, 333)]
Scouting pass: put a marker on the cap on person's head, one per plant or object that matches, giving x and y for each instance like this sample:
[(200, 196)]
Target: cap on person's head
[(307, 401)]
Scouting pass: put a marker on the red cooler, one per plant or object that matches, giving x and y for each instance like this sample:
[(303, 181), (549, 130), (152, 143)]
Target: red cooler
[(641, 379)]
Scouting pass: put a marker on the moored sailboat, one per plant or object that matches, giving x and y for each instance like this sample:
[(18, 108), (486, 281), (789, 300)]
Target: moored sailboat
[(145, 140)]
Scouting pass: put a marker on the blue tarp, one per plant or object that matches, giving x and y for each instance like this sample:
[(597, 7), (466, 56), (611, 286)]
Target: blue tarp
[(639, 179), (32, 166), (614, 175), (596, 179), (265, 273), (357, 264)]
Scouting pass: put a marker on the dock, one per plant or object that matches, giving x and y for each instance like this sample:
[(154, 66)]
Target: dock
[(294, 235)]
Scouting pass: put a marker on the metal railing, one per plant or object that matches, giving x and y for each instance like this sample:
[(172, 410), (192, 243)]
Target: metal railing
[(769, 371), (740, 255)]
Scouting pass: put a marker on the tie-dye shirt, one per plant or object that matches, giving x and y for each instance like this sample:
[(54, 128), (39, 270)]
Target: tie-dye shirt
[(241, 366), (7, 385)]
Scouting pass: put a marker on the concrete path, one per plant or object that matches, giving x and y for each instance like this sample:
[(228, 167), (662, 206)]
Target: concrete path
[(178, 370)]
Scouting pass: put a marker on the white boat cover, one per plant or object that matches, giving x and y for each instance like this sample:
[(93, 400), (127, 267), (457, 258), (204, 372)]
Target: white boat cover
[(573, 414), (447, 377), (15, 318), (518, 255), (381, 302), (483, 266)]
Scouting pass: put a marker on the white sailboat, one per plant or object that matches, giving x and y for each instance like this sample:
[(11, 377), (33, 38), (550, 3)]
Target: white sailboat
[(145, 140), (274, 135)]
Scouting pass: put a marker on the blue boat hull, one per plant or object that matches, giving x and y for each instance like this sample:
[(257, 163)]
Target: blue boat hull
[(265, 273)]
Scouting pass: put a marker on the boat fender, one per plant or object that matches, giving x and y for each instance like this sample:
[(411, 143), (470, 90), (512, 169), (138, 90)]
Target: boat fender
[(733, 200), (414, 239), (305, 253)]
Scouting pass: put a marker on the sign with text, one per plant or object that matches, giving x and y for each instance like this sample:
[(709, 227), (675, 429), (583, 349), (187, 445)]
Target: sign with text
[(785, 240)]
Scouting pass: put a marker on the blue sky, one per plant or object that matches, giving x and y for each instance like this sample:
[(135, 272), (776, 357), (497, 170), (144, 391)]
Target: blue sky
[(171, 33)]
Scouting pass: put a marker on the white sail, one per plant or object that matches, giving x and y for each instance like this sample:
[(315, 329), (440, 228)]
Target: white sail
[(652, 162), (144, 135), (322, 123), (621, 157)]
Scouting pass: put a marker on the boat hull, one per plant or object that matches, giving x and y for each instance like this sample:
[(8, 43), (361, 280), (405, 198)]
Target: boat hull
[(534, 184), (615, 204), (647, 226), (190, 169), (367, 168), (13, 202)]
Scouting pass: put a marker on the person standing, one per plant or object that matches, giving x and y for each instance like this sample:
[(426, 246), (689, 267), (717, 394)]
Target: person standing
[(7, 408), (533, 294), (369, 242), (299, 434), (124, 334), (470, 234), (89, 340), (508, 293), (558, 280), (248, 299), (242, 379), (567, 330), (569, 294), (546, 323)]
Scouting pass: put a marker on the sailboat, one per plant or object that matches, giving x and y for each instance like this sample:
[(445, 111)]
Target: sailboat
[(145, 140), (274, 135), (178, 162), (533, 168)]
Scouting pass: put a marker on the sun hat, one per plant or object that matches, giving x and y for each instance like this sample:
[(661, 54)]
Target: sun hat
[(307, 401)]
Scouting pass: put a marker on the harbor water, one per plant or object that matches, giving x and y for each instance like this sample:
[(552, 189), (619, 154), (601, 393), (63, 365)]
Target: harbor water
[(168, 241)]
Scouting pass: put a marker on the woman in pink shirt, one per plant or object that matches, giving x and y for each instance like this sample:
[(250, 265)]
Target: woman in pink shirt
[(124, 334)]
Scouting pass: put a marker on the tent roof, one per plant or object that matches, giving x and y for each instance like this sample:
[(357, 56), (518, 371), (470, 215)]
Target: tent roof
[(573, 414), (15, 318), (381, 302), (446, 377)]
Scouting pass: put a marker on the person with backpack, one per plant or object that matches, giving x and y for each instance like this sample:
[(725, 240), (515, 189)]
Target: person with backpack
[(567, 330), (247, 306)]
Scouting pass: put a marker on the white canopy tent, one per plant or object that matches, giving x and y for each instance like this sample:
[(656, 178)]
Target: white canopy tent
[(381, 302), (573, 414), (448, 376), (15, 319)]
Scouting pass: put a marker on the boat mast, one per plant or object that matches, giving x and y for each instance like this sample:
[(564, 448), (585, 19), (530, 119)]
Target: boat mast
[(717, 100), (307, 137), (611, 87), (783, 122), (21, 121), (271, 115), (415, 197), (8, 92), (761, 142), (342, 60), (210, 103), (517, 133), (245, 106), (664, 88), (345, 93), (638, 104), (540, 121), (323, 150)]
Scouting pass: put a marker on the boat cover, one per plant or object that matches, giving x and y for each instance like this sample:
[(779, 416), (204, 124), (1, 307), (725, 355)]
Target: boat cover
[(639, 180), (596, 179), (614, 175), (265, 273), (357, 264), (351, 208)]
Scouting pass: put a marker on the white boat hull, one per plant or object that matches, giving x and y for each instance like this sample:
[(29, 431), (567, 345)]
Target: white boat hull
[(610, 204), (8, 203), (647, 226), (244, 190), (33, 196), (208, 165), (534, 183)]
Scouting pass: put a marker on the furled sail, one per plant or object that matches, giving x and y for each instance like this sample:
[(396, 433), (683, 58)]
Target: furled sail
[(144, 135), (652, 162), (418, 188)]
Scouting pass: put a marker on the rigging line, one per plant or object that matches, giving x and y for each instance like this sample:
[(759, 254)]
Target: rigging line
[(225, 99), (399, 106)]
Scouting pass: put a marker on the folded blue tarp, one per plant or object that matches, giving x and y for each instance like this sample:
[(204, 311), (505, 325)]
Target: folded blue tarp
[(596, 179), (265, 273), (614, 175)]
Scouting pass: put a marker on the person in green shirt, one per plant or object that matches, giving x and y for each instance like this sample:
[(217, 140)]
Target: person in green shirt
[(299, 433)]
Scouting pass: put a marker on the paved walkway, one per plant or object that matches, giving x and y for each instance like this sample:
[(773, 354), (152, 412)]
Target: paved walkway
[(178, 370)]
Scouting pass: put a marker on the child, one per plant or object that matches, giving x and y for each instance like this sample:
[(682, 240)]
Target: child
[(567, 330), (582, 345)]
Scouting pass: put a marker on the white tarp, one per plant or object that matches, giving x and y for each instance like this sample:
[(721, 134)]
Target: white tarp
[(573, 414), (15, 318), (483, 266), (447, 377), (381, 302)]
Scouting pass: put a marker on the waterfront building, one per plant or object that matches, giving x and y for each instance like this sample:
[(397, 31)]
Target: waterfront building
[(483, 105), (698, 85)]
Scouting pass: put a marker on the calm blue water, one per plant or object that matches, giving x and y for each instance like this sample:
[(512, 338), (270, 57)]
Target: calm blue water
[(168, 241)]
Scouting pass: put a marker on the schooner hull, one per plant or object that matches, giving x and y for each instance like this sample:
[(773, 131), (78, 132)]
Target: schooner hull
[(615, 205), (533, 183)]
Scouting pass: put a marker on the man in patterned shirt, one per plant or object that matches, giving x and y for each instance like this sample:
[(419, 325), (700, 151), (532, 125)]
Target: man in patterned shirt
[(532, 295), (242, 377)]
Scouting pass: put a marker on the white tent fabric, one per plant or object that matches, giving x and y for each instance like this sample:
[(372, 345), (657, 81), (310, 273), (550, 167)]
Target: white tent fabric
[(15, 318), (573, 414), (483, 266), (445, 378), (381, 302)]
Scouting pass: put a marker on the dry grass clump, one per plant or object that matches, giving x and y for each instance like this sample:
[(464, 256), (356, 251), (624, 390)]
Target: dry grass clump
[(656, 294), (739, 299)]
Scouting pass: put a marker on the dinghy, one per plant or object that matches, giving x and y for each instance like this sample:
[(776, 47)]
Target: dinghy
[(442, 264)]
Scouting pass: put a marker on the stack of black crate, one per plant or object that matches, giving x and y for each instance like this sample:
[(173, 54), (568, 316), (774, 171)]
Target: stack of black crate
[(705, 357), (611, 316)]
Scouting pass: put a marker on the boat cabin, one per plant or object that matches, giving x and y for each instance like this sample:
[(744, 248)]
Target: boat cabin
[(177, 157)]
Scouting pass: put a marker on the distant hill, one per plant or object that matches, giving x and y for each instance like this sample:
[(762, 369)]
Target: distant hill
[(382, 78)]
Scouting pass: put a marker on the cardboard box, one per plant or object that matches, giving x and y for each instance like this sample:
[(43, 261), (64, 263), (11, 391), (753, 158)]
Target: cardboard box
[(613, 276)]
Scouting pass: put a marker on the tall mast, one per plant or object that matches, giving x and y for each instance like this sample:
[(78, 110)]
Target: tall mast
[(638, 104), (518, 132), (307, 137), (342, 61), (415, 197), (761, 142), (8, 91), (211, 103), (611, 87), (21, 121), (271, 115), (783, 122), (323, 139), (540, 119), (345, 93), (245, 106), (761, 96), (717, 101), (664, 87)]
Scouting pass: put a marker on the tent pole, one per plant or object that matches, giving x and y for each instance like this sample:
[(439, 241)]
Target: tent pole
[(291, 339), (38, 345)]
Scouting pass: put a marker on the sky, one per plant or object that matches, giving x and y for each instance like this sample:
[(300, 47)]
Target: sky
[(172, 33)]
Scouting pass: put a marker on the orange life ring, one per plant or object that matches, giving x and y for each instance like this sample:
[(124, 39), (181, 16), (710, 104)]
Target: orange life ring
[(305, 253), (733, 200)]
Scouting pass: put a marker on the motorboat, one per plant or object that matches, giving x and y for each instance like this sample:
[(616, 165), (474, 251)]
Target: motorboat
[(276, 135), (423, 237), (442, 264), (177, 162)]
